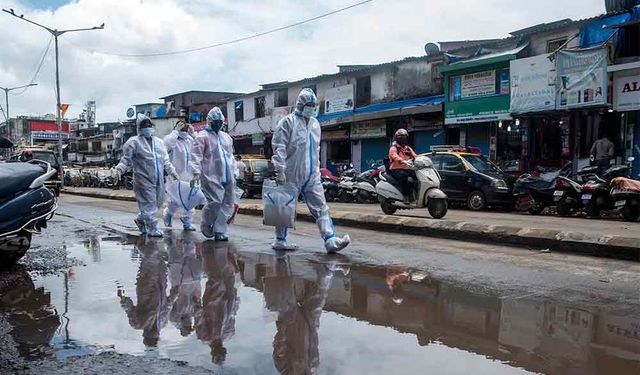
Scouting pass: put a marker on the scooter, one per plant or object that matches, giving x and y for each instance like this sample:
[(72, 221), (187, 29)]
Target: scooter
[(568, 193), (331, 188), (625, 195), (347, 190), (425, 190), (596, 192), (534, 193), (366, 185), (25, 206)]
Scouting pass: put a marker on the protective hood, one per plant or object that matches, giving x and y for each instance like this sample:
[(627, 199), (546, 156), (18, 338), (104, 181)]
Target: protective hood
[(305, 96), (139, 119), (215, 114)]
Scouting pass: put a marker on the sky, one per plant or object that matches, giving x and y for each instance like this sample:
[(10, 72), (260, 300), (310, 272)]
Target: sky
[(373, 33)]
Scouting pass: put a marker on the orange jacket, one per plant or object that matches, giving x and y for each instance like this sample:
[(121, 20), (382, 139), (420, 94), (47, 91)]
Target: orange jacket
[(397, 154)]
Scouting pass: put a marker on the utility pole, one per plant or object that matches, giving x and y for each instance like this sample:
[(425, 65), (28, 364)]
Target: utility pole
[(6, 98), (56, 33)]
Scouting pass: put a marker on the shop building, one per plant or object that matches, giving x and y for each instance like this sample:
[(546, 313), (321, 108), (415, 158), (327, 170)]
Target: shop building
[(360, 109), (477, 104)]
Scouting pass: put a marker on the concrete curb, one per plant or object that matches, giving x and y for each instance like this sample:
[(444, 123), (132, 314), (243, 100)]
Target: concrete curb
[(561, 241)]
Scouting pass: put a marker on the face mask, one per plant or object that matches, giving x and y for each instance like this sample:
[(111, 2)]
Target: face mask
[(308, 111), (402, 141), (215, 126), (147, 132), (183, 135)]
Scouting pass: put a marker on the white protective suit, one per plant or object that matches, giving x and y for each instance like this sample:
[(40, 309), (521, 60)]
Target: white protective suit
[(149, 159), (214, 162), (179, 149), (296, 153)]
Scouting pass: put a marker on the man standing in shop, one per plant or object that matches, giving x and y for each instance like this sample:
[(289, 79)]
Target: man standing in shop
[(602, 153)]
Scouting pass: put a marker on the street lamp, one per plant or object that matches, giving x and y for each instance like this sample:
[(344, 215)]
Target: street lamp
[(56, 33), (6, 98)]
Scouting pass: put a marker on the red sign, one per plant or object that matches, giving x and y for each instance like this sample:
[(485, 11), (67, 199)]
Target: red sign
[(48, 125)]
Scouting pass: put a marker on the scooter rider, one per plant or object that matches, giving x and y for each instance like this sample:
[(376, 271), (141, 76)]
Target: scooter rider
[(148, 157), (179, 144), (296, 153), (399, 154)]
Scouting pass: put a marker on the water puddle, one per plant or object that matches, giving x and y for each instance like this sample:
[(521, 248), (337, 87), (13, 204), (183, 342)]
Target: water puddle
[(219, 306)]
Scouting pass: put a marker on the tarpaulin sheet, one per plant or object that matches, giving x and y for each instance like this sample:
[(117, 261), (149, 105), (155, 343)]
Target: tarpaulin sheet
[(597, 32)]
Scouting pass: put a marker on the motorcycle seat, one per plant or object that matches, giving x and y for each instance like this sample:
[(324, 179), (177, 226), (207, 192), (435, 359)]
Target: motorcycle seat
[(16, 177), (392, 181)]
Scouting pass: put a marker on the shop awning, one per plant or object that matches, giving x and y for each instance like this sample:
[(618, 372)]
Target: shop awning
[(425, 104), (482, 60)]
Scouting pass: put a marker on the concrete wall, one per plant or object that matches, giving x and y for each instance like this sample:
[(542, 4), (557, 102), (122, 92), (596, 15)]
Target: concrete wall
[(538, 42)]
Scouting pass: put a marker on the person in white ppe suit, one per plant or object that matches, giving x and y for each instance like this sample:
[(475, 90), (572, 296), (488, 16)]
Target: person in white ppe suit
[(296, 153), (179, 144), (214, 162), (148, 157)]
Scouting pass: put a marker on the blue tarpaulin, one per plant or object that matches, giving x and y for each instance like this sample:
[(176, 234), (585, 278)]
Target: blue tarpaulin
[(399, 104), (597, 32)]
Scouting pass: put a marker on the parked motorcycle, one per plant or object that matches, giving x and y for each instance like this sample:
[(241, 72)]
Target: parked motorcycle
[(534, 193), (568, 193), (25, 206), (425, 190), (596, 192), (625, 195), (331, 188), (365, 185)]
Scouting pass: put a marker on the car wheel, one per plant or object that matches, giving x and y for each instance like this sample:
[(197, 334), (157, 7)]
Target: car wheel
[(476, 201)]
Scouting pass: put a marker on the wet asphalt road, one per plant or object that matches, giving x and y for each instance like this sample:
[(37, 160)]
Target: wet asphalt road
[(389, 304)]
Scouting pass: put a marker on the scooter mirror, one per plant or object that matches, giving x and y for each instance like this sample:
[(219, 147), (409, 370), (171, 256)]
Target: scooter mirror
[(631, 159)]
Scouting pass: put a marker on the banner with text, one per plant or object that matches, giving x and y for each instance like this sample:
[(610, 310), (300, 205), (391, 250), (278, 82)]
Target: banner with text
[(581, 78), (533, 84)]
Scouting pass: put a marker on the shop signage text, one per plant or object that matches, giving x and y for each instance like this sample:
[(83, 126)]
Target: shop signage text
[(582, 78), (339, 99), (533, 85), (369, 129), (48, 135), (626, 91)]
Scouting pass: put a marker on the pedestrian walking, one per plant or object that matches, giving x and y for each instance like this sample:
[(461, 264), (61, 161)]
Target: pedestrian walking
[(147, 156), (214, 162), (242, 169), (296, 154), (179, 144)]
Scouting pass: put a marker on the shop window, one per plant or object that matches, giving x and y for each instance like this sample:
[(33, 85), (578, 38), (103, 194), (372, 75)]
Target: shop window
[(281, 98), (260, 108), (96, 146), (363, 91), (238, 108), (555, 44)]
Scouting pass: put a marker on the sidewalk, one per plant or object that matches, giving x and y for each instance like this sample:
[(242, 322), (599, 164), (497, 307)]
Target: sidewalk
[(608, 238)]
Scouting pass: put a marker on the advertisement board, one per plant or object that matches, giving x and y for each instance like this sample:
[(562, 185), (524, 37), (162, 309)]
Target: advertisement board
[(581, 78), (473, 85), (339, 99), (533, 84), (369, 129), (48, 135), (626, 91)]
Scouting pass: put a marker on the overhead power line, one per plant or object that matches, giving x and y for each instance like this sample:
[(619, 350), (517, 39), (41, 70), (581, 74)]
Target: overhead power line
[(253, 36), (35, 74)]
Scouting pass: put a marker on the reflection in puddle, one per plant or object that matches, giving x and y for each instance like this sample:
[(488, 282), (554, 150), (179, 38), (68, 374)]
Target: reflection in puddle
[(215, 305)]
